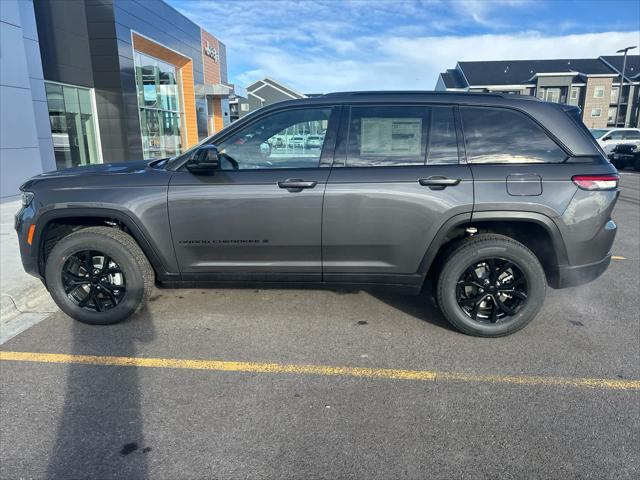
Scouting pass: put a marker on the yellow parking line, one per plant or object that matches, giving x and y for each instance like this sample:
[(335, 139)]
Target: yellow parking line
[(364, 372), (618, 257)]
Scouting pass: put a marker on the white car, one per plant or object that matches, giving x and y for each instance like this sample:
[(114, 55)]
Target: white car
[(608, 138)]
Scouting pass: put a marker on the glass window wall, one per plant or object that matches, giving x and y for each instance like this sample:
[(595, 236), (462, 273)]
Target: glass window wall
[(73, 126), (159, 106)]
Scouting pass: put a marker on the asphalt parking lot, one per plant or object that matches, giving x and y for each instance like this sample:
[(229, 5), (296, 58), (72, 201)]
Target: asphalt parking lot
[(415, 399)]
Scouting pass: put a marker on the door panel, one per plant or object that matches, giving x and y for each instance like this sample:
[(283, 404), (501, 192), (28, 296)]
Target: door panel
[(381, 220), (401, 181), (242, 222), (259, 216)]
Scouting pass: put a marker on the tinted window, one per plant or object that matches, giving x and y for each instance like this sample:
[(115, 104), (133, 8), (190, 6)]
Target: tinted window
[(494, 135), (631, 135), (443, 143), (290, 139), (401, 136), (617, 135)]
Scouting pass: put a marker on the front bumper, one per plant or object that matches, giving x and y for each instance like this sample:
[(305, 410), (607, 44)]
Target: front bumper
[(28, 253), (622, 158)]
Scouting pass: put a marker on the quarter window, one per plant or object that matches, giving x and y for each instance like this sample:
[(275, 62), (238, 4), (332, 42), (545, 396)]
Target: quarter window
[(382, 136), (495, 135), (289, 139), (631, 135)]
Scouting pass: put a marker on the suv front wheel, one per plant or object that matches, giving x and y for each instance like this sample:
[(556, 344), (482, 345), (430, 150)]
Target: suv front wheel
[(99, 275), (491, 286)]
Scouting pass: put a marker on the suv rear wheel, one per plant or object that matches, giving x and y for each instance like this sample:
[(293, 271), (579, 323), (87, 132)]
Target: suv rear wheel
[(99, 275), (491, 286)]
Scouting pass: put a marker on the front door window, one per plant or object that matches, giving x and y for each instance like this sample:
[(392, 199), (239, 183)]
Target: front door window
[(289, 139), (73, 128)]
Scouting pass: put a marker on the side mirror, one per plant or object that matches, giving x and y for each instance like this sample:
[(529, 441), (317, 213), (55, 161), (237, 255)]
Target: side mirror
[(606, 138), (205, 161)]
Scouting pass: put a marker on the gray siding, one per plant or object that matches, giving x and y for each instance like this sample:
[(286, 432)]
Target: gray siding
[(26, 148)]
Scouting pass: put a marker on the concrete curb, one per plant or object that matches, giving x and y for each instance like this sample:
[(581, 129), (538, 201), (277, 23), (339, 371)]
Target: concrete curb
[(24, 300)]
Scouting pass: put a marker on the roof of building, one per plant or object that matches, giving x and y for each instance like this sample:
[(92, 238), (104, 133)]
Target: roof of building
[(453, 79), (274, 84), (632, 69), (517, 72)]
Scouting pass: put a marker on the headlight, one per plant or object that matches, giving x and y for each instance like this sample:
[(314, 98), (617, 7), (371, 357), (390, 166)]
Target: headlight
[(27, 197), (634, 148)]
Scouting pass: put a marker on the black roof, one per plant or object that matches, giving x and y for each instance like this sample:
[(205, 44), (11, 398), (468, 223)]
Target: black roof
[(632, 68), (518, 72), (453, 79)]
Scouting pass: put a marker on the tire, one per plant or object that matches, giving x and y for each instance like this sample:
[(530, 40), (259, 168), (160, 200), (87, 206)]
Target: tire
[(519, 263), (636, 164), (126, 257)]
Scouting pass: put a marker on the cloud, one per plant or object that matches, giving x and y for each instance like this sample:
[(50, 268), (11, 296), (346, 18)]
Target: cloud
[(414, 63), (321, 46)]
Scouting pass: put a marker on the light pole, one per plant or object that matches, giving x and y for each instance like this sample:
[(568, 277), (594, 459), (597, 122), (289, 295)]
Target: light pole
[(624, 66)]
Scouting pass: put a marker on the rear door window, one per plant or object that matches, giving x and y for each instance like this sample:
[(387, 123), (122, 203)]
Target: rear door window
[(401, 136), (498, 135), (631, 135)]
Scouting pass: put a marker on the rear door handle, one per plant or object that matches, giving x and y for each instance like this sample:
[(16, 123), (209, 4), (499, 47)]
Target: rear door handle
[(296, 184), (439, 183)]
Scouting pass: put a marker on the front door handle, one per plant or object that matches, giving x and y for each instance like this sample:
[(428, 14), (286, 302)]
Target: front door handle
[(439, 183), (296, 185)]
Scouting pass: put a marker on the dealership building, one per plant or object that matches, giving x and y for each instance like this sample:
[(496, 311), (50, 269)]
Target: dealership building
[(93, 81)]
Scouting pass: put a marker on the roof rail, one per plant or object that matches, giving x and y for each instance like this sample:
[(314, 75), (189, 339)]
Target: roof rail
[(429, 92)]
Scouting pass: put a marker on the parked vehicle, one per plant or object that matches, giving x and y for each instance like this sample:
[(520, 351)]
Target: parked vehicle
[(296, 142), (626, 155), (489, 198), (608, 138), (314, 141)]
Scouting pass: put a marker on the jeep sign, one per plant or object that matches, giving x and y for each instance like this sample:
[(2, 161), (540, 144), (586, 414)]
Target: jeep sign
[(211, 52)]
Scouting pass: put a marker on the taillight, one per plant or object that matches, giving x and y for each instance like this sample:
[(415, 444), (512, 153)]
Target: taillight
[(596, 182)]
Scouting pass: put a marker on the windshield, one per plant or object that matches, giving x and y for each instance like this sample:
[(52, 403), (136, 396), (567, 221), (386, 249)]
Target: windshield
[(598, 132)]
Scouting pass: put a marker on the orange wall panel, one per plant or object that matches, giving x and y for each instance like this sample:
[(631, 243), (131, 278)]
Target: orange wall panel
[(189, 105), (217, 115)]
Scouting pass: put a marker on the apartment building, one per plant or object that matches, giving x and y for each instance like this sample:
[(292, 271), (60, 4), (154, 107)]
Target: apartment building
[(593, 84)]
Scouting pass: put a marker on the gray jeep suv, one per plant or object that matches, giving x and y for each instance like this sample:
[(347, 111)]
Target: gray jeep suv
[(490, 197)]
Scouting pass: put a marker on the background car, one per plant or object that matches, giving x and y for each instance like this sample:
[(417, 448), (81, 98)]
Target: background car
[(626, 155), (314, 141), (296, 142), (608, 138)]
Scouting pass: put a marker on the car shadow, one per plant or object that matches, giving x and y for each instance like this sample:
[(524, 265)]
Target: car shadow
[(422, 306), (100, 434)]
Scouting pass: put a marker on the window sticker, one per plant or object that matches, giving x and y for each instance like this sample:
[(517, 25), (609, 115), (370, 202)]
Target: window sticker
[(391, 136)]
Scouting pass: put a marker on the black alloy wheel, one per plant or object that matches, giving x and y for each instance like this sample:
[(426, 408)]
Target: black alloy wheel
[(92, 280), (492, 290)]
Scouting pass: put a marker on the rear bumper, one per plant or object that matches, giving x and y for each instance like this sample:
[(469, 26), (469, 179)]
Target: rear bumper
[(572, 276)]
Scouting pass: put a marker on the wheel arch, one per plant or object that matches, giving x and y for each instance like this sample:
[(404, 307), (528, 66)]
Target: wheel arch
[(78, 217), (536, 231)]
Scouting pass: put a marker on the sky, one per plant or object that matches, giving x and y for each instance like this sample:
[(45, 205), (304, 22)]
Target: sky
[(331, 45)]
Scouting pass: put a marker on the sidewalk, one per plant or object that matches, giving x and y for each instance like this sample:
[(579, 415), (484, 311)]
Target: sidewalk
[(23, 299)]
